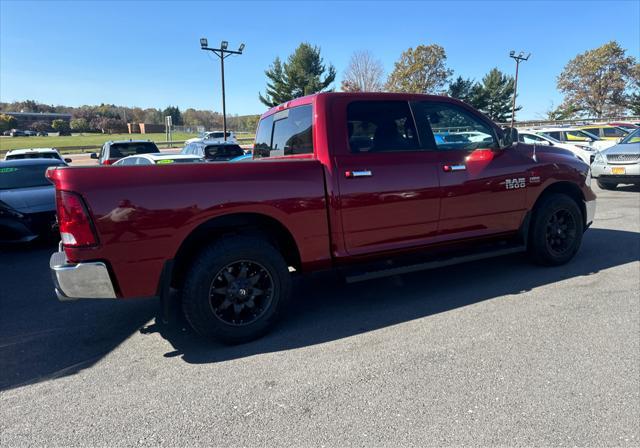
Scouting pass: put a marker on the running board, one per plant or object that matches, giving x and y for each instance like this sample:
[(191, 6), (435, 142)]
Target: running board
[(355, 278)]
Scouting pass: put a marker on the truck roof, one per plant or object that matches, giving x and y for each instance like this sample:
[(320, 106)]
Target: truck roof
[(388, 96)]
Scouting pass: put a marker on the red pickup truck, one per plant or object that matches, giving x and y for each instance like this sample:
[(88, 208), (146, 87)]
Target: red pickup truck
[(371, 184)]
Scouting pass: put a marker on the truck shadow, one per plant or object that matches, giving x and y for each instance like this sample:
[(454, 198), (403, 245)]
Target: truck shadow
[(326, 309), (41, 338)]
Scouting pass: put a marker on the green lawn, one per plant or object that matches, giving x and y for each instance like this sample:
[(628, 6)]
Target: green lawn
[(7, 143)]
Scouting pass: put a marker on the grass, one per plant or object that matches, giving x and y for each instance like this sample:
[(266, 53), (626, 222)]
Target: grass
[(8, 143)]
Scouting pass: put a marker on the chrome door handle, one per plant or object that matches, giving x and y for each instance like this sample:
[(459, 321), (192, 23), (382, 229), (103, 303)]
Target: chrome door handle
[(357, 173), (450, 168)]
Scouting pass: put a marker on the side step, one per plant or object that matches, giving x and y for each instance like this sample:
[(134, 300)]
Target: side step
[(363, 276)]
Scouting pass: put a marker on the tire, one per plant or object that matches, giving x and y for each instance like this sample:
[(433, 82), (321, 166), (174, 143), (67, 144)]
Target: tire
[(556, 230), (210, 297), (607, 185)]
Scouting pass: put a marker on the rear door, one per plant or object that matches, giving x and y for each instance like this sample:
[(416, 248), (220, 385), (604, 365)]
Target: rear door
[(482, 186), (387, 178)]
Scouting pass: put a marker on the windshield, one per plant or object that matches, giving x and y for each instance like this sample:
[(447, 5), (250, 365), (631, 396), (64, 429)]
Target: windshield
[(634, 137), (120, 150), (25, 176)]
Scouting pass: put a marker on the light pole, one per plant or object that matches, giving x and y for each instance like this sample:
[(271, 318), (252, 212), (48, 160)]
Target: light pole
[(518, 58), (222, 53)]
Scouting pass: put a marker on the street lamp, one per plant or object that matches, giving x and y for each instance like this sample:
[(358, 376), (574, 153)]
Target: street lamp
[(222, 53), (518, 58)]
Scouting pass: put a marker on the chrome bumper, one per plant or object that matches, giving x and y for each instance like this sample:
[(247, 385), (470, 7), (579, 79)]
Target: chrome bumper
[(80, 280), (590, 207)]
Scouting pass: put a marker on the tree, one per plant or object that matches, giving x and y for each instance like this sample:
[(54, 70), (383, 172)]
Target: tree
[(634, 98), (363, 74), (108, 125), (79, 125), (494, 96), (174, 112), (597, 81), (304, 73), (7, 122), (61, 126), (40, 126), (420, 70)]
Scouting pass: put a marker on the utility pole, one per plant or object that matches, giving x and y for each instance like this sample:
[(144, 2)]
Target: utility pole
[(222, 53), (518, 58)]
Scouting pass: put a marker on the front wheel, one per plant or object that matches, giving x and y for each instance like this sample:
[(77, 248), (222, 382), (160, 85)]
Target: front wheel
[(236, 289), (556, 230), (607, 185)]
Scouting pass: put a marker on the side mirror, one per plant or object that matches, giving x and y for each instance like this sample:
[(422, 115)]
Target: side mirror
[(509, 137), (588, 139), (68, 160), (94, 155)]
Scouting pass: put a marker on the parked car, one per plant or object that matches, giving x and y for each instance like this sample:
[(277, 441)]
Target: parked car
[(216, 152), (605, 131), (214, 137), (17, 133), (585, 152), (355, 182), (27, 199), (629, 127), (575, 136), (43, 134), (619, 164), (112, 151), (35, 153), (30, 133), (158, 159)]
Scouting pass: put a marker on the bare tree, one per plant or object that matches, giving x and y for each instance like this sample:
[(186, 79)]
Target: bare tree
[(363, 74)]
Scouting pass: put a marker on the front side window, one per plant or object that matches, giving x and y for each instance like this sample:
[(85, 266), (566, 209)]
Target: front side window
[(614, 132), (554, 134), (381, 126), (453, 127), (580, 136)]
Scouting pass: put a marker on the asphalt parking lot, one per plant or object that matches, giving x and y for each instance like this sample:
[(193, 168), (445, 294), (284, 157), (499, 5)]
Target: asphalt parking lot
[(499, 352)]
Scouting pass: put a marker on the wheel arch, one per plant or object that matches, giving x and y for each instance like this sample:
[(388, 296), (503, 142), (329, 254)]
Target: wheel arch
[(240, 223), (568, 188)]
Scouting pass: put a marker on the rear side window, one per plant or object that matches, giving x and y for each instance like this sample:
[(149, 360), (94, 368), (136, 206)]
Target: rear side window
[(380, 126), (554, 134), (119, 150), (286, 133)]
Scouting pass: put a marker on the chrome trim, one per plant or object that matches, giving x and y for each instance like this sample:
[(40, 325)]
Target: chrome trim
[(80, 280), (457, 167)]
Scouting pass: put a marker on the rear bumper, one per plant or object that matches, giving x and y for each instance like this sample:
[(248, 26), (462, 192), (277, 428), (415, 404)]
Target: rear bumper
[(80, 280)]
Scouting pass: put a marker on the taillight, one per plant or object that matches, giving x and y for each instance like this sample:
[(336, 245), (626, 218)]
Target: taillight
[(74, 221)]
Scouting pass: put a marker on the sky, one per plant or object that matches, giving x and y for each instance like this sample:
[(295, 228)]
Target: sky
[(147, 53)]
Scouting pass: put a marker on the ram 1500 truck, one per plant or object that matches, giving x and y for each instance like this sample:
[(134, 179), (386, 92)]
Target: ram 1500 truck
[(371, 184)]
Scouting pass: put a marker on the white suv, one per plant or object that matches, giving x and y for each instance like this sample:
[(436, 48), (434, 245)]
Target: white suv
[(583, 151), (34, 153), (214, 137)]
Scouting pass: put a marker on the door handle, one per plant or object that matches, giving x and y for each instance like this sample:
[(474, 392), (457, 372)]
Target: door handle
[(357, 173), (450, 168)]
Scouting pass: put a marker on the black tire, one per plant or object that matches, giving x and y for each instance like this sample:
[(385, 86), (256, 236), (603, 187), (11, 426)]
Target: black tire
[(607, 185), (556, 230), (210, 298)]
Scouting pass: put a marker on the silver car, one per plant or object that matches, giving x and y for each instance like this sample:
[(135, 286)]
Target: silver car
[(619, 164)]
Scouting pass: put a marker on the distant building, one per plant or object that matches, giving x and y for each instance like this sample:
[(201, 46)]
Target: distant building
[(26, 119)]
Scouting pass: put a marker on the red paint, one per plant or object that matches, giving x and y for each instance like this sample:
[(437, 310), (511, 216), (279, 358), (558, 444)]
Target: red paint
[(142, 214)]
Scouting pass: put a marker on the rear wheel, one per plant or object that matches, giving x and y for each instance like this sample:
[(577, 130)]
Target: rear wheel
[(607, 185), (556, 230), (236, 289)]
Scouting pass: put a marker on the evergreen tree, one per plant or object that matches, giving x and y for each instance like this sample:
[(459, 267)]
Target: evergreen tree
[(304, 73), (494, 96)]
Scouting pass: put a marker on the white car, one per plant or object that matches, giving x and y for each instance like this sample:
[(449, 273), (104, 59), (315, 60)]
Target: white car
[(158, 159), (35, 153), (619, 164), (575, 136), (214, 137), (585, 152)]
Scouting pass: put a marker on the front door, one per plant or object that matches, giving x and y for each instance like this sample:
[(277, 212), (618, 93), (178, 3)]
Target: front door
[(482, 186)]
